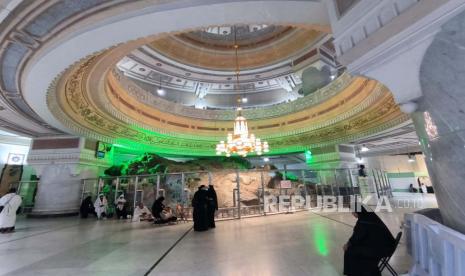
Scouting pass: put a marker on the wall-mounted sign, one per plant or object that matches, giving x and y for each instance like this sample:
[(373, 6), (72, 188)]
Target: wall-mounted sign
[(15, 159), (286, 184)]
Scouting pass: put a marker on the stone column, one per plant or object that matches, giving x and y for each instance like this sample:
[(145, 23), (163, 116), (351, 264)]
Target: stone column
[(440, 119), (61, 164)]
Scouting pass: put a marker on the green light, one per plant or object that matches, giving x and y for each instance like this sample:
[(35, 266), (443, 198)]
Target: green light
[(321, 240), (308, 157)]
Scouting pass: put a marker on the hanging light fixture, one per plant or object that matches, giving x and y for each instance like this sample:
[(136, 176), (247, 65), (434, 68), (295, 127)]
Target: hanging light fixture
[(160, 90), (240, 142)]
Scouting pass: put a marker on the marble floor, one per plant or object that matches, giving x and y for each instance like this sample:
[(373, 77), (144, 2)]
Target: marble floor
[(302, 243)]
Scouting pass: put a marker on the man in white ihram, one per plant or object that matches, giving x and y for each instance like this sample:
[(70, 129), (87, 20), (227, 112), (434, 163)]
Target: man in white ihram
[(100, 206), (9, 204)]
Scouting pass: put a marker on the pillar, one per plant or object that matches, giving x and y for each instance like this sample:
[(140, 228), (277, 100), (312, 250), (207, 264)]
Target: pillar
[(61, 164), (440, 119)]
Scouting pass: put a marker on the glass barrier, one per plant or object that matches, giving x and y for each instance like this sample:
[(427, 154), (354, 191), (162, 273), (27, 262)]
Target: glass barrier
[(310, 181), (272, 191), (239, 193), (27, 190), (147, 190), (90, 187), (251, 192), (127, 186)]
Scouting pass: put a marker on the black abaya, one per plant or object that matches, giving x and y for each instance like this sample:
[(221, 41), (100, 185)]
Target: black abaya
[(87, 207), (200, 204), (212, 206), (370, 241)]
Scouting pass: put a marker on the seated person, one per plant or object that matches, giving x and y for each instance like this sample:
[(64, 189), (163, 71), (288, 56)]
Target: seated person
[(160, 213), (87, 207), (167, 215), (100, 206), (412, 189), (370, 241), (142, 213), (121, 210)]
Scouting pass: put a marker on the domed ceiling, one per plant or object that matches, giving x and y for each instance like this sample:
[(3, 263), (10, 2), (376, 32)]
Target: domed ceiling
[(198, 68), (126, 114), (107, 92)]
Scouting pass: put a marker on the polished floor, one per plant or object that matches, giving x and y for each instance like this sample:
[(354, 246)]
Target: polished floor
[(302, 243)]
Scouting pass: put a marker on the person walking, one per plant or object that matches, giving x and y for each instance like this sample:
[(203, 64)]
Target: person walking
[(9, 204)]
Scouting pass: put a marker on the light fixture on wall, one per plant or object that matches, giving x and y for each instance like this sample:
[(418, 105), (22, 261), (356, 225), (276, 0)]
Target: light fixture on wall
[(240, 142), (160, 90), (364, 148)]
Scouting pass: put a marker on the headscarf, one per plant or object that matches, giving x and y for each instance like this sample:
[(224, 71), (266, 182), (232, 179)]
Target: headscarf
[(367, 216)]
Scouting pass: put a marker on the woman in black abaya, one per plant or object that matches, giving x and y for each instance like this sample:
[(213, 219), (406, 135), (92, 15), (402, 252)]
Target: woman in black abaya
[(200, 204), (87, 207), (370, 241), (212, 206)]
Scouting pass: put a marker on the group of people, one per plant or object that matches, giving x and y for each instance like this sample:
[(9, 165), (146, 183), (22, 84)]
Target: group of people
[(98, 208), (9, 205), (159, 214), (205, 204), (423, 189)]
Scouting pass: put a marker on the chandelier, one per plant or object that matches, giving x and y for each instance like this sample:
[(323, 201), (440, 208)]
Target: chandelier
[(240, 142)]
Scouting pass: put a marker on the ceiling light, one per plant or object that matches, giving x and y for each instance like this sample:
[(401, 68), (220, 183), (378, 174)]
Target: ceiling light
[(244, 100), (332, 77), (266, 159), (161, 91), (364, 149)]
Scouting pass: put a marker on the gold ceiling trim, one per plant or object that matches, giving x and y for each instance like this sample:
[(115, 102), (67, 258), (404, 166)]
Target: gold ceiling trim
[(72, 99), (181, 51)]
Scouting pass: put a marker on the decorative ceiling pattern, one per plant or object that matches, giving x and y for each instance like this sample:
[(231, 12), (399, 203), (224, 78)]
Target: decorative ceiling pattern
[(23, 33), (197, 68), (363, 107), (95, 105), (256, 50)]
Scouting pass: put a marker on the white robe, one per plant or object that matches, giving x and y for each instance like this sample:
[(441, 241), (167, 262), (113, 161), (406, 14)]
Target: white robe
[(10, 203), (120, 203), (138, 212), (424, 189), (100, 206)]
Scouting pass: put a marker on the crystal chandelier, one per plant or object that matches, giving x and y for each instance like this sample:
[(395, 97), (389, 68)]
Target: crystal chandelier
[(240, 142)]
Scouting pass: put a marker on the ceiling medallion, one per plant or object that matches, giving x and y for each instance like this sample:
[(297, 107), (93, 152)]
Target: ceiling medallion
[(240, 142)]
